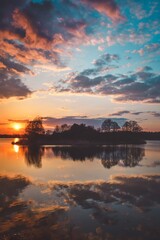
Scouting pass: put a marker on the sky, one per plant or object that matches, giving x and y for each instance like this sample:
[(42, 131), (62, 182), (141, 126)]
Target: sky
[(79, 61)]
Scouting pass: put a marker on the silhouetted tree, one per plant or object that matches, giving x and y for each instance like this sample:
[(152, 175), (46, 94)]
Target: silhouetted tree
[(115, 126), (64, 127), (34, 127), (131, 126), (108, 125), (48, 132), (57, 129)]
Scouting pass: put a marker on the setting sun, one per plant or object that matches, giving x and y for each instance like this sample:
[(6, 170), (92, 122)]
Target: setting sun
[(17, 126)]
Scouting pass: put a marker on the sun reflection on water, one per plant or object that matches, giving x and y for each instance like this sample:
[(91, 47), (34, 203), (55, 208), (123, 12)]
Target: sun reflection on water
[(16, 148), (16, 140)]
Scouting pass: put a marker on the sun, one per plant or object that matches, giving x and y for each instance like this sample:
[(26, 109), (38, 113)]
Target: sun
[(17, 126)]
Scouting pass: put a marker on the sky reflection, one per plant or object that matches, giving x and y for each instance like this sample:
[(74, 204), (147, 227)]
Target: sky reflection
[(79, 164), (80, 193), (122, 208)]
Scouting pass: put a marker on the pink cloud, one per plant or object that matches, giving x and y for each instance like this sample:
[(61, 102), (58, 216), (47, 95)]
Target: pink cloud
[(107, 7)]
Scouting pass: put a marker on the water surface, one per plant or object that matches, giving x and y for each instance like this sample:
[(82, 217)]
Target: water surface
[(61, 192)]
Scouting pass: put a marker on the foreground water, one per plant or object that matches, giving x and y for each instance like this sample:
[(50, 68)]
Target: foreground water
[(80, 193)]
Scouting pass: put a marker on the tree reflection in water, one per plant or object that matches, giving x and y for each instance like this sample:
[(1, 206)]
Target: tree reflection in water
[(129, 155), (33, 155), (125, 155)]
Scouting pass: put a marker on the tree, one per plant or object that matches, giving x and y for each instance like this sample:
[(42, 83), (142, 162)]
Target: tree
[(62, 128), (108, 125), (131, 126), (35, 127), (115, 126)]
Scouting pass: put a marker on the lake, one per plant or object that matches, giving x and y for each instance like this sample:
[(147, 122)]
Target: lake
[(90, 193)]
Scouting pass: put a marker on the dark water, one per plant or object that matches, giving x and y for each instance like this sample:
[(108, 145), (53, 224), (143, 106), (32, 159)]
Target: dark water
[(90, 193)]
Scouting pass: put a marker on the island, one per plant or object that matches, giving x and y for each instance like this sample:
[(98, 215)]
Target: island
[(109, 133)]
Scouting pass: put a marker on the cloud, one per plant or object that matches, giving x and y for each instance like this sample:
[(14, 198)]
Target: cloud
[(124, 37), (156, 114), (119, 113), (105, 59), (107, 7), (138, 86), (83, 84), (13, 87), (102, 65), (13, 67), (18, 120), (137, 113), (147, 49), (53, 68), (145, 69), (35, 34), (10, 83), (139, 10)]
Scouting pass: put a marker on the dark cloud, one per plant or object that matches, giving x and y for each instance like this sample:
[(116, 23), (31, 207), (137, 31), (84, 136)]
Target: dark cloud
[(138, 86), (34, 32), (141, 75), (47, 25), (156, 114), (13, 67), (124, 81), (13, 87), (146, 68), (105, 59), (120, 113), (10, 83), (79, 83), (90, 71), (98, 70), (137, 113)]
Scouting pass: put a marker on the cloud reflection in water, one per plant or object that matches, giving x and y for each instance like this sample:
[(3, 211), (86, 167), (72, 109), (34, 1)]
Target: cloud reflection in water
[(126, 207)]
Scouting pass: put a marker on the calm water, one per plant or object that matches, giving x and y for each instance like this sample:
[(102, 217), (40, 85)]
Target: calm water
[(89, 193)]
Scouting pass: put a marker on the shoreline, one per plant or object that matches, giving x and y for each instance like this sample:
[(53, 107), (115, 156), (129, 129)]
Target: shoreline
[(77, 143)]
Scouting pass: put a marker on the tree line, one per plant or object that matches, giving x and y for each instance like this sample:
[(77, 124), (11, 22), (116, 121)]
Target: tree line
[(35, 127)]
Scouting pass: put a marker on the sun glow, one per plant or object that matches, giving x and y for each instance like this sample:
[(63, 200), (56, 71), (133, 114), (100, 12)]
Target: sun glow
[(17, 126)]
